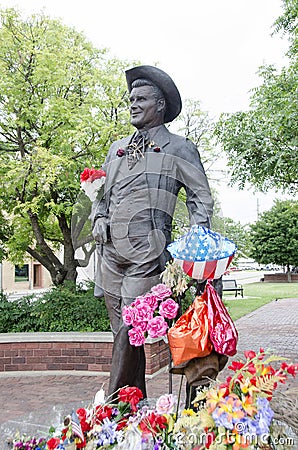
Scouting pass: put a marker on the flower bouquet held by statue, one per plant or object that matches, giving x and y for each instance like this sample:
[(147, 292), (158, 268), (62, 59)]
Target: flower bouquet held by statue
[(150, 314), (92, 180)]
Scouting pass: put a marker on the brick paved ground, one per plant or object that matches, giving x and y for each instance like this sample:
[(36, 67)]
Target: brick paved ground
[(32, 402)]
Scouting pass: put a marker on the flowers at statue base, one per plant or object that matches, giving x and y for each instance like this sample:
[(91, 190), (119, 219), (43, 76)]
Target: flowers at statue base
[(150, 314), (237, 412), (230, 415), (92, 180)]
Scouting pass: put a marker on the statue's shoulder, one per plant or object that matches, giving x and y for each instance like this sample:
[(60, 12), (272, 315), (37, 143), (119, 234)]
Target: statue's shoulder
[(180, 142)]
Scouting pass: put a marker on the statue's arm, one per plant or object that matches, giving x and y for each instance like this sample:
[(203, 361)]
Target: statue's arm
[(199, 200)]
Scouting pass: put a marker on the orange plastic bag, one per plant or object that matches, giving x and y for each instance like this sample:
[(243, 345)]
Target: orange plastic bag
[(189, 337)]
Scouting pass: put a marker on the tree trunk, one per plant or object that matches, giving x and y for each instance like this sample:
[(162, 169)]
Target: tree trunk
[(45, 255)]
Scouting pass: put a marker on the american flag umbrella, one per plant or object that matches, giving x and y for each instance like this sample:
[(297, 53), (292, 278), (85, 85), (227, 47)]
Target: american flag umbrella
[(202, 253)]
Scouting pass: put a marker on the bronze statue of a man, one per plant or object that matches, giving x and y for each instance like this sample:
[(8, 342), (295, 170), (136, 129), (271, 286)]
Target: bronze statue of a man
[(133, 221)]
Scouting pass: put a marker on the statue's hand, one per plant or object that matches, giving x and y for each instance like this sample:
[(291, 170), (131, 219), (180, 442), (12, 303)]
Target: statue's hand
[(99, 231)]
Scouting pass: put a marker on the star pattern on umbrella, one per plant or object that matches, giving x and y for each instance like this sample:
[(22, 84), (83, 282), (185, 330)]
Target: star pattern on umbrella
[(201, 244)]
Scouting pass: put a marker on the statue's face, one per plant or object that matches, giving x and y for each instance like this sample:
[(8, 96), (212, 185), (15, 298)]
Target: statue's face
[(145, 111)]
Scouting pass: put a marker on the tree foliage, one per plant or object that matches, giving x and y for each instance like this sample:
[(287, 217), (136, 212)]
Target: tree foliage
[(198, 126), (261, 144), (234, 231), (274, 237), (61, 103)]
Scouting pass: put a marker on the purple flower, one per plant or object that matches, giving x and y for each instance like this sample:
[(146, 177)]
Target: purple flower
[(108, 433), (222, 420), (120, 152), (262, 420)]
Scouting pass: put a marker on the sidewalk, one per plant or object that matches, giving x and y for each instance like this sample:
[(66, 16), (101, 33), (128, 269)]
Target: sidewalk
[(33, 401)]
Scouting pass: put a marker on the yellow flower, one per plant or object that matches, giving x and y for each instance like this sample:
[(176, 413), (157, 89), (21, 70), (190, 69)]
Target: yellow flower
[(231, 406), (188, 412), (214, 396), (171, 421), (247, 405), (247, 388)]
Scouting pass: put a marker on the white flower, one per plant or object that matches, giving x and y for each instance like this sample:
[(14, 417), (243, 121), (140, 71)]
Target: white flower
[(99, 398), (91, 188)]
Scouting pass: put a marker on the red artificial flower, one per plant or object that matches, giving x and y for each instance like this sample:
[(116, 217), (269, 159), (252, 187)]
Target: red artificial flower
[(130, 395), (122, 423), (250, 354), (96, 173), (63, 434), (251, 368), (81, 444), (262, 354), (103, 412), (291, 369), (85, 174), (120, 152), (153, 423), (91, 174), (82, 415), (210, 437), (236, 365), (53, 443)]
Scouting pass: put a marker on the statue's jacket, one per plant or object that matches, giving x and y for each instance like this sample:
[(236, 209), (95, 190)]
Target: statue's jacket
[(171, 162)]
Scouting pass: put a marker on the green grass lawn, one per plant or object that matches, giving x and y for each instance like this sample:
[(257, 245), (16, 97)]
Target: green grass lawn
[(256, 295)]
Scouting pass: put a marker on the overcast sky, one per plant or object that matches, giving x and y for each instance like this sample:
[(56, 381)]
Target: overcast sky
[(211, 48)]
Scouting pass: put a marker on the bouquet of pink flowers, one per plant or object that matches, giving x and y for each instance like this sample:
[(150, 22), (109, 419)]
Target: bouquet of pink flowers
[(91, 181), (149, 314)]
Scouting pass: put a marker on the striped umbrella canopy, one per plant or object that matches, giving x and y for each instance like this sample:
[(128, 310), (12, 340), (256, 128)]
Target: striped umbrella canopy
[(202, 253)]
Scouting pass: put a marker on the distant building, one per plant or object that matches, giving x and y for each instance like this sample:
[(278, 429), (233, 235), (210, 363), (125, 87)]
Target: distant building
[(247, 263), (30, 276)]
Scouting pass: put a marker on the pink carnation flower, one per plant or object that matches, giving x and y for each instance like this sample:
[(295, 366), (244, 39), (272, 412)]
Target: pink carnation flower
[(142, 313), (151, 300), (157, 327), (165, 404), (161, 291), (136, 337), (128, 315), (168, 308)]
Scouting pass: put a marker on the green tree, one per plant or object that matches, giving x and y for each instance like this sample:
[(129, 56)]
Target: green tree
[(198, 126), (261, 144), (274, 237), (234, 231), (61, 102)]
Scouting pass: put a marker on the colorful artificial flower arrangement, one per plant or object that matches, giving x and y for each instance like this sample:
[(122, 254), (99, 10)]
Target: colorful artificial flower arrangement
[(92, 180), (150, 314), (232, 415)]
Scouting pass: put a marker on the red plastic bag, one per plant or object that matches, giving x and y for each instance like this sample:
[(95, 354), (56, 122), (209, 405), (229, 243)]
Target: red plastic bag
[(222, 331), (189, 337)]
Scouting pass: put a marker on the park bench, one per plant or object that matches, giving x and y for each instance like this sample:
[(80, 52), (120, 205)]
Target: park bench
[(232, 286)]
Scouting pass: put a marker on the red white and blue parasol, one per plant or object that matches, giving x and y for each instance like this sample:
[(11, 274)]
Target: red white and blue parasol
[(202, 253)]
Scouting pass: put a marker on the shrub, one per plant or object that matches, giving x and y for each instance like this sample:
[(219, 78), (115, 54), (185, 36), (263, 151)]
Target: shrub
[(63, 308)]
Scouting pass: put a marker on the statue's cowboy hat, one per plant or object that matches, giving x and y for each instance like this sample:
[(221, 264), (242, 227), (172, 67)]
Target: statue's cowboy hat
[(164, 82)]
